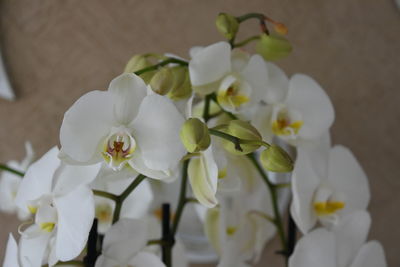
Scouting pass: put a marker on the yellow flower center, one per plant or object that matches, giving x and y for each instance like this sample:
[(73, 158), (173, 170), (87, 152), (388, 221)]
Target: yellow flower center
[(328, 207), (222, 173), (47, 226), (32, 209), (230, 230), (283, 126), (104, 212), (118, 149), (232, 97)]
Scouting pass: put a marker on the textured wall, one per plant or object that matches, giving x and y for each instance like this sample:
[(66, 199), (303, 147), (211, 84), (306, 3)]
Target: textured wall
[(57, 50)]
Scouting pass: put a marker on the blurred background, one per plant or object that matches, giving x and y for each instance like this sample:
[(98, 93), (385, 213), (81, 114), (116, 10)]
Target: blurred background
[(55, 51)]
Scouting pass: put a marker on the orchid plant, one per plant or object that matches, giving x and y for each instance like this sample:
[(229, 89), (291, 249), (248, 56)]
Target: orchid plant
[(215, 122)]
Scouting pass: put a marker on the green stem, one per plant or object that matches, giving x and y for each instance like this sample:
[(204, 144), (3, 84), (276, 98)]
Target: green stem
[(124, 195), (237, 141), (105, 195), (161, 64), (182, 198), (246, 41), (206, 110), (248, 16), (274, 198), (4, 167), (214, 98)]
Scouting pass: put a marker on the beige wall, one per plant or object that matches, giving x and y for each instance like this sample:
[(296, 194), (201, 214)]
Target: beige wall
[(57, 50)]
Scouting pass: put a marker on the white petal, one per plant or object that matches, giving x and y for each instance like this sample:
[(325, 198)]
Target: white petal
[(346, 175), (203, 177), (75, 218), (179, 255), (146, 259), (370, 255), (256, 74), (210, 64), (11, 256), (212, 224), (28, 157), (32, 249), (194, 50), (304, 183), (278, 84), (351, 233), (106, 262), (315, 249), (85, 124), (125, 239), (128, 91), (310, 100), (9, 184), (262, 121), (38, 179), (156, 130), (137, 204), (69, 177)]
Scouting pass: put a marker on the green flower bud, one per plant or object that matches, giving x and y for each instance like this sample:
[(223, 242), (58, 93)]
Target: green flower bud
[(227, 25), (276, 159), (139, 62), (194, 135), (182, 87), (162, 81), (242, 130), (273, 47)]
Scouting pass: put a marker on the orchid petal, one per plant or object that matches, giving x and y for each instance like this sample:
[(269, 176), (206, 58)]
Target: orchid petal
[(128, 90), (11, 256), (86, 123), (75, 218), (346, 175), (277, 86), (145, 259), (370, 255), (256, 74), (310, 100), (32, 249), (210, 64), (156, 130)]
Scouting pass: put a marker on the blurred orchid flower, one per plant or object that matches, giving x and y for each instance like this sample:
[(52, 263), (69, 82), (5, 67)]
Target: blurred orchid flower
[(124, 127), (123, 246), (63, 205), (11, 256), (295, 110), (326, 184), (9, 184), (5, 88), (344, 246)]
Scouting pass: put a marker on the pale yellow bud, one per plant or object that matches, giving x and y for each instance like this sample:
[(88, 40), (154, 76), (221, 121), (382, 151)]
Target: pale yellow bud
[(182, 87), (273, 47), (194, 135), (276, 159), (227, 25), (244, 131), (139, 62), (163, 81)]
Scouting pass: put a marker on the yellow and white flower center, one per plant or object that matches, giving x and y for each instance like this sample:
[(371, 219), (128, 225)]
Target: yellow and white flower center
[(286, 123), (104, 212), (326, 202), (233, 93), (118, 149)]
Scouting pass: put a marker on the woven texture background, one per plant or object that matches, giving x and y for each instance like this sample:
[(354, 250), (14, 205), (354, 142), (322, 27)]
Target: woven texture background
[(57, 50)]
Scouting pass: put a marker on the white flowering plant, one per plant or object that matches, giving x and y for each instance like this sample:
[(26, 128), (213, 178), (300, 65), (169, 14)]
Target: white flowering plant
[(220, 122)]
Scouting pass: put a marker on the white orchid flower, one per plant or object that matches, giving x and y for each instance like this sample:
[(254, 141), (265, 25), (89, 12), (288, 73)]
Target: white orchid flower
[(63, 205), (123, 246), (11, 256), (296, 110), (135, 206), (241, 225), (9, 184), (233, 75), (344, 246), (124, 127), (326, 184)]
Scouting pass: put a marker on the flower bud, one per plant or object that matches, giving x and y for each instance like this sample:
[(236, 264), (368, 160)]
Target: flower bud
[(242, 130), (139, 62), (273, 47), (182, 87), (162, 81), (276, 159), (227, 25), (194, 135)]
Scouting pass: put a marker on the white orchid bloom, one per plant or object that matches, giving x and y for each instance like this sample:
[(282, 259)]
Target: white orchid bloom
[(296, 110), (63, 205), (344, 246), (233, 75), (123, 246), (9, 184), (241, 225), (135, 206), (11, 256), (326, 184), (124, 127)]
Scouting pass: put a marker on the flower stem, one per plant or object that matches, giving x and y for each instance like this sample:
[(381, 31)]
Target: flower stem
[(167, 236), (182, 200), (246, 41), (274, 198), (4, 167), (105, 195), (120, 199), (162, 63), (206, 111), (235, 140)]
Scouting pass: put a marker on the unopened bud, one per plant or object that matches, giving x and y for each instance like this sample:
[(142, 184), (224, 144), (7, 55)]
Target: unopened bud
[(244, 131), (139, 62), (280, 28), (162, 81), (182, 87), (276, 159), (273, 47), (194, 135), (227, 25)]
